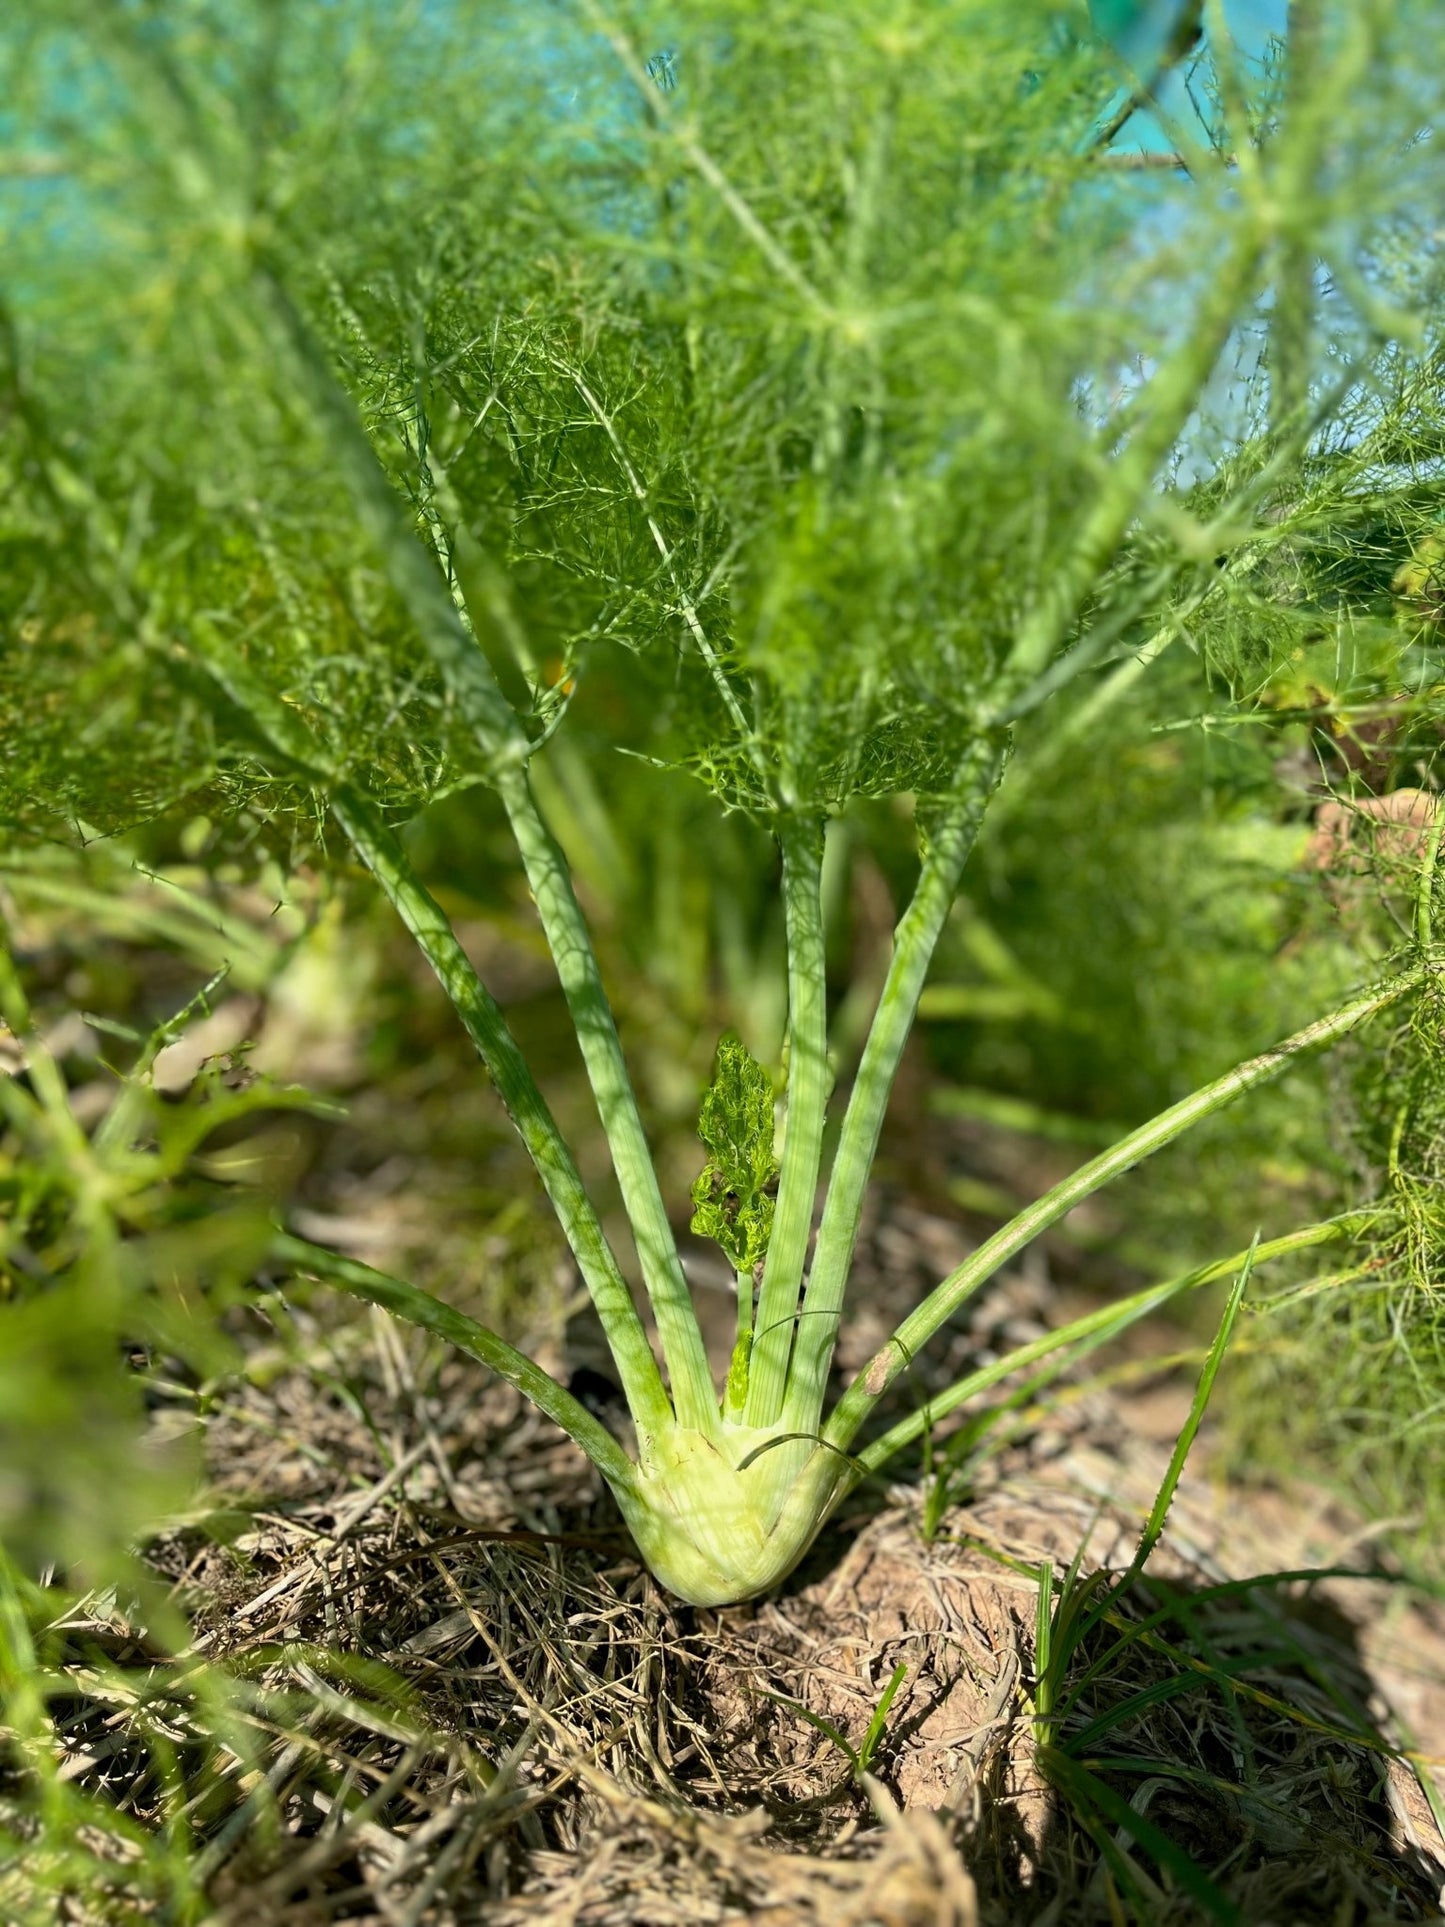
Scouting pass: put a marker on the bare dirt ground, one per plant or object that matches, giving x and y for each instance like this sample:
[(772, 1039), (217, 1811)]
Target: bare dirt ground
[(466, 1702)]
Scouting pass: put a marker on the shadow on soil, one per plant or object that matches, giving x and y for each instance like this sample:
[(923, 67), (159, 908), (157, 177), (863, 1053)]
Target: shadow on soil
[(1219, 1750)]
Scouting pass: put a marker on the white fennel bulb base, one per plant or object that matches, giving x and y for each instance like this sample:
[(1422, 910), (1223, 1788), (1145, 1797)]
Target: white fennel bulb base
[(722, 1520)]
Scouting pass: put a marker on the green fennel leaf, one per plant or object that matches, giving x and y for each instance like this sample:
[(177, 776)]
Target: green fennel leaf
[(734, 1191)]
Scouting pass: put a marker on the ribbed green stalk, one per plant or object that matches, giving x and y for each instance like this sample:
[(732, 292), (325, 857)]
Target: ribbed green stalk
[(485, 1024), (694, 1394), (945, 1299), (914, 943), (418, 1307), (735, 1392), (1092, 1329), (1165, 407), (809, 1083), (448, 639), (487, 1028)]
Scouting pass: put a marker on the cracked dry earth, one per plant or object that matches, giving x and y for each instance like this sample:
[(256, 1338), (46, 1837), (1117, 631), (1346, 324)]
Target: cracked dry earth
[(466, 1702)]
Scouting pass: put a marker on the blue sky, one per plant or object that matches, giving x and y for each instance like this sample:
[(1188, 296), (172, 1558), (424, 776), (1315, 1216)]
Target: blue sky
[(1253, 24)]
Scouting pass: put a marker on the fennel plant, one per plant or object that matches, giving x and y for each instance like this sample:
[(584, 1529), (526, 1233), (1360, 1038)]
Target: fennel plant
[(372, 377)]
